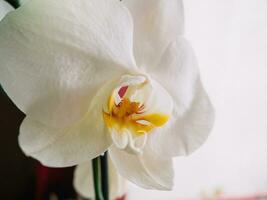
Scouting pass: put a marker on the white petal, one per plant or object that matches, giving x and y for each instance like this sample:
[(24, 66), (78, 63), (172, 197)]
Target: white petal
[(182, 135), (178, 73), (129, 80), (127, 141), (4, 9), (156, 24), (119, 139), (61, 147), (84, 185), (159, 101), (136, 144), (147, 170), (56, 54)]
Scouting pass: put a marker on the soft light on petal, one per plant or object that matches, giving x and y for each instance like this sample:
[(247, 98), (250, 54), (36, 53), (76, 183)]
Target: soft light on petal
[(121, 140), (56, 54), (62, 147), (147, 170), (159, 101), (156, 24), (178, 73), (4, 9), (84, 185), (184, 134)]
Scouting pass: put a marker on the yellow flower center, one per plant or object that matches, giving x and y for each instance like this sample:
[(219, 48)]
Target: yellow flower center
[(131, 115)]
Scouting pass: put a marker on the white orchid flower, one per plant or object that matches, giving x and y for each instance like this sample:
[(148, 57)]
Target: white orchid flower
[(84, 184), (105, 75), (4, 9)]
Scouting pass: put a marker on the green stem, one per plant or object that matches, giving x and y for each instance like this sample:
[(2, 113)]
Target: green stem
[(105, 176), (97, 178)]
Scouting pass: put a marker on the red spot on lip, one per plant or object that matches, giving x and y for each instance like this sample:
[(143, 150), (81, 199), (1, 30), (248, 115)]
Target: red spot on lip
[(122, 91)]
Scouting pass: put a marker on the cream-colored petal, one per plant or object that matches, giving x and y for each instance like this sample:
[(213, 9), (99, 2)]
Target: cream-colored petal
[(56, 54), (147, 170), (184, 134), (178, 73), (156, 24), (71, 145), (136, 143), (63, 147), (159, 100), (120, 139), (84, 185), (4, 9)]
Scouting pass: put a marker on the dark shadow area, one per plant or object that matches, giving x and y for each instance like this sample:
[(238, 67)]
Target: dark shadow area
[(14, 3), (16, 170), (23, 178)]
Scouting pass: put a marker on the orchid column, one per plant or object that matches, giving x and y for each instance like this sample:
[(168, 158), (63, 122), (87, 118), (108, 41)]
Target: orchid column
[(104, 75)]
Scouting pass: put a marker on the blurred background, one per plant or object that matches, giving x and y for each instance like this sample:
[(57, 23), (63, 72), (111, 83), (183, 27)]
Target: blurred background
[(230, 41)]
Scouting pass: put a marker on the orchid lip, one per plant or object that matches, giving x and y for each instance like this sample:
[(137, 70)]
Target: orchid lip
[(127, 111)]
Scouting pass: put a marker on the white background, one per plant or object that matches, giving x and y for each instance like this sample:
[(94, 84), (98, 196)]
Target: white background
[(230, 40)]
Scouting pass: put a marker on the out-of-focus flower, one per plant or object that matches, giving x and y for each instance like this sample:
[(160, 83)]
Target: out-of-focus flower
[(84, 185), (21, 2), (4, 9), (105, 75)]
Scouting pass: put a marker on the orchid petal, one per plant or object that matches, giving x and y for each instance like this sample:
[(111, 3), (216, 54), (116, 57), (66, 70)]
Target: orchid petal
[(77, 143), (184, 134), (156, 24), (84, 185), (159, 101), (121, 140), (147, 170), (63, 147), (56, 54), (178, 73), (4, 9)]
